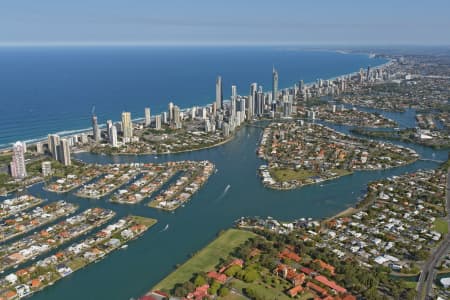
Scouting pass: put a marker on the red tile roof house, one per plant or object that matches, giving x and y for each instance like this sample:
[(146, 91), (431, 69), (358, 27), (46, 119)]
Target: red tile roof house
[(297, 279), (324, 265), (235, 262), (317, 288), (295, 290), (307, 271), (346, 297), (331, 284), (221, 278), (290, 274), (199, 293), (287, 254)]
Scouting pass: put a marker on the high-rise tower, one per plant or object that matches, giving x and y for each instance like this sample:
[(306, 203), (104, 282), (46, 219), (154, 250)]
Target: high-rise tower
[(95, 129), (18, 169), (147, 116), (219, 93), (127, 126), (274, 84)]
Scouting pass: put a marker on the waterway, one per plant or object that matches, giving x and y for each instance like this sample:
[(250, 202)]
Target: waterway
[(132, 272)]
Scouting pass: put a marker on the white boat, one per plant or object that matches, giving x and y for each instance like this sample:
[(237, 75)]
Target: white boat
[(125, 246)]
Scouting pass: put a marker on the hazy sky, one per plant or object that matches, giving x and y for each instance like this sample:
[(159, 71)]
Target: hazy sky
[(343, 22)]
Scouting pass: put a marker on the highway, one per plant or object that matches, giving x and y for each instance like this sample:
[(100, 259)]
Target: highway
[(428, 272)]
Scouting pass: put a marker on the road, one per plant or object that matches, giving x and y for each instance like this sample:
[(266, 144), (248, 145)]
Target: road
[(428, 272)]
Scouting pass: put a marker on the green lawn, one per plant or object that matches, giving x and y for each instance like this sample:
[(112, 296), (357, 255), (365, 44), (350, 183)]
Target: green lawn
[(289, 174), (440, 225), (232, 296), (300, 175), (145, 221), (264, 291), (207, 258)]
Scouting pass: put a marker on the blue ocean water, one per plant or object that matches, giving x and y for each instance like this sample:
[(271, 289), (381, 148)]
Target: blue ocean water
[(53, 89)]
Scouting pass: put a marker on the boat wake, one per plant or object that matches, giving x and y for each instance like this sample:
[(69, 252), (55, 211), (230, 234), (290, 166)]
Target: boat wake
[(165, 228), (225, 191)]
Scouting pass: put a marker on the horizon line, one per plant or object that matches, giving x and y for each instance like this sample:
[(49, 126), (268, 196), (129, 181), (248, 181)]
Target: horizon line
[(201, 44)]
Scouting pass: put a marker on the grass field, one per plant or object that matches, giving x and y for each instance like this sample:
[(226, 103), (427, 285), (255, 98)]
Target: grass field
[(145, 221), (288, 174), (264, 291), (206, 259), (300, 175), (440, 225)]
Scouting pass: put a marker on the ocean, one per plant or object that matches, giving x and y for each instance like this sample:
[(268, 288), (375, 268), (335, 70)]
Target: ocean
[(55, 89)]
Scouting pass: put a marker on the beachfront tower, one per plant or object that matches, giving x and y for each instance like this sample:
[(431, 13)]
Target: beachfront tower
[(147, 116), (274, 84), (158, 122), (64, 155), (233, 100), (95, 129), (127, 126), (219, 93), (18, 169), (253, 90), (53, 145), (113, 136)]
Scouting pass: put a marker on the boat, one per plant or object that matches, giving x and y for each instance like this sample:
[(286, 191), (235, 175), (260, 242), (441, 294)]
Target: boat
[(227, 188), (125, 246), (166, 227)]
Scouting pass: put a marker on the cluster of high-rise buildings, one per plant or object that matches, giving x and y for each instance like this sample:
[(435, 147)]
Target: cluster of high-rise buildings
[(221, 115), (59, 148)]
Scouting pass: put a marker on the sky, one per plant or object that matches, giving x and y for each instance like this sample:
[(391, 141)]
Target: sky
[(224, 22)]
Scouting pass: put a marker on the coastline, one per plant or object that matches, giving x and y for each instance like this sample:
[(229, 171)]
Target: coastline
[(71, 132)]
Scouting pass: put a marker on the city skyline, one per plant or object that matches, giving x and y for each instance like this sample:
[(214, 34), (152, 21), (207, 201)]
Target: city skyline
[(304, 23)]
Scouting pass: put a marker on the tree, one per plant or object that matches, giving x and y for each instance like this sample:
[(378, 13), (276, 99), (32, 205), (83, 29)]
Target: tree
[(181, 290), (199, 280), (224, 291), (231, 271), (250, 275), (213, 288)]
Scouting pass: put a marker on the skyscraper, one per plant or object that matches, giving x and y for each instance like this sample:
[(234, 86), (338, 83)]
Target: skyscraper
[(158, 122), (177, 117), (147, 116), (95, 129), (259, 103), (109, 125), (219, 93), (250, 109), (170, 112), (274, 84), (64, 148), (127, 126), (18, 169), (53, 145), (253, 90), (113, 136), (233, 100)]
